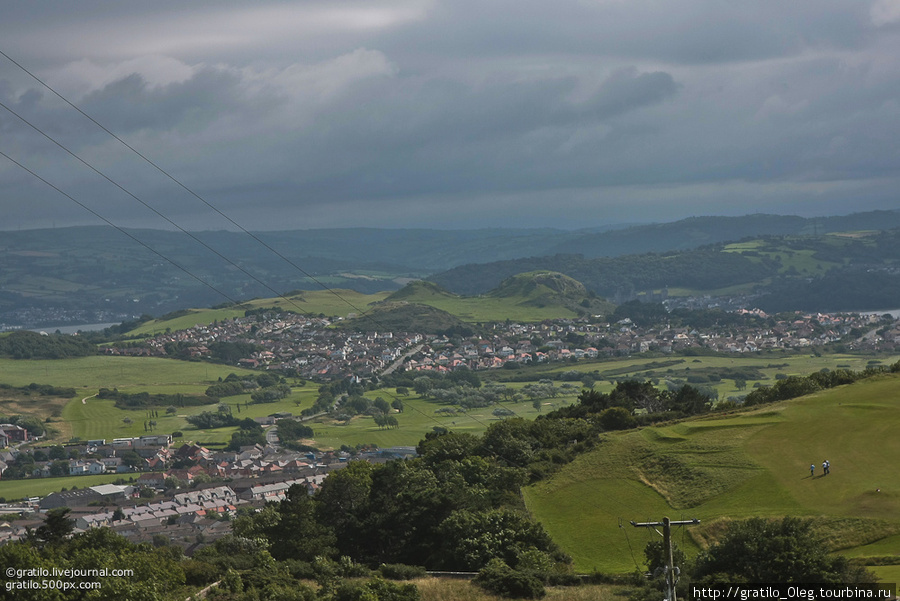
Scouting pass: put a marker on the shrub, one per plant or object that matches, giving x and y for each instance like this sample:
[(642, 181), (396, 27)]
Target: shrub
[(375, 588), (498, 578)]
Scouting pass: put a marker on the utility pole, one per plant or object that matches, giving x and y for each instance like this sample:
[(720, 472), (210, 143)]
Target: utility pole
[(667, 544)]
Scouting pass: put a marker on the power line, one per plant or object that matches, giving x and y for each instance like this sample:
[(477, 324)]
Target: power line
[(144, 203), (157, 212), (108, 222), (183, 186), (210, 206)]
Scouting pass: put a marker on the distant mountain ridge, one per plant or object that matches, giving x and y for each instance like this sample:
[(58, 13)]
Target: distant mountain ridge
[(95, 273), (695, 232)]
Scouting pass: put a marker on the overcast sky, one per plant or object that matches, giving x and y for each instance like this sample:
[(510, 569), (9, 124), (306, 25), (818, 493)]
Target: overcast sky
[(451, 113)]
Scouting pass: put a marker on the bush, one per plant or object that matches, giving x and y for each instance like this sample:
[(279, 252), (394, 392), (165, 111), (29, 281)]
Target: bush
[(375, 589), (199, 573), (498, 578)]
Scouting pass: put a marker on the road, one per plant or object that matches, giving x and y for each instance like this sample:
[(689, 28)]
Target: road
[(393, 366)]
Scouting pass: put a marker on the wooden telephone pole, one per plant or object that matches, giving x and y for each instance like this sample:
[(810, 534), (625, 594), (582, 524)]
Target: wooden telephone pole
[(667, 544)]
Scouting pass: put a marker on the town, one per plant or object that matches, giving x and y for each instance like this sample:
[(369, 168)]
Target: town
[(308, 347)]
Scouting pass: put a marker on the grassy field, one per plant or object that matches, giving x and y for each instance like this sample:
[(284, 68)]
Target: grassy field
[(743, 465), (87, 418), (95, 418), (100, 418), (417, 419), (39, 487), (91, 373)]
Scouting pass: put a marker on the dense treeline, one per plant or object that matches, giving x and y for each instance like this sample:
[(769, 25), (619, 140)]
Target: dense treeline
[(41, 390), (158, 573), (616, 410), (234, 384), (651, 314), (444, 511), (143, 400), (795, 386), (32, 345), (290, 430), (457, 377), (838, 290)]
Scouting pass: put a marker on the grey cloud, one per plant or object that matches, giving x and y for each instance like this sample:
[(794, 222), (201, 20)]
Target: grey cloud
[(472, 106), (129, 103)]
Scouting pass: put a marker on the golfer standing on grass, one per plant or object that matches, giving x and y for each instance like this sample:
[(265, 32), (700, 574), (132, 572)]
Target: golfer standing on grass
[(812, 470)]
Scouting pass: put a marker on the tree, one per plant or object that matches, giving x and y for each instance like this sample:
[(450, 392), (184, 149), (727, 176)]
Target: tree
[(132, 459), (58, 468), (760, 551), (291, 528), (471, 539), (57, 526), (616, 418), (382, 405)]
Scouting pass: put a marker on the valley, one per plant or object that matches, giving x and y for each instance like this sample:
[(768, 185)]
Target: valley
[(367, 372)]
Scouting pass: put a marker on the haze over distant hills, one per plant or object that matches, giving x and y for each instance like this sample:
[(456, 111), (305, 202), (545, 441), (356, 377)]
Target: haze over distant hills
[(88, 269)]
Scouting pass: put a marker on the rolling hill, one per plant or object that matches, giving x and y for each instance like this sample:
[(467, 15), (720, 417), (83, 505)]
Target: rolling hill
[(526, 297), (754, 463)]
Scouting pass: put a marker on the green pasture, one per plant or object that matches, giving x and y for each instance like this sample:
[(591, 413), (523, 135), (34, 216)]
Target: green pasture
[(717, 468), (100, 418), (792, 259), (87, 374), (13, 490), (417, 419)]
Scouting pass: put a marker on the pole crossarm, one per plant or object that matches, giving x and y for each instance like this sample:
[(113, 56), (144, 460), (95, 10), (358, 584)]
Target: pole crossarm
[(671, 570), (654, 524)]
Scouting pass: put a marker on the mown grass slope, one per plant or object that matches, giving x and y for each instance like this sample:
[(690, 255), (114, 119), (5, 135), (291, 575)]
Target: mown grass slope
[(731, 467)]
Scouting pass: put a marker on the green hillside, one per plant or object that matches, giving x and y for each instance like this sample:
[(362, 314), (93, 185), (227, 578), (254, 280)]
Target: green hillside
[(526, 297), (404, 317), (728, 467), (536, 286)]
